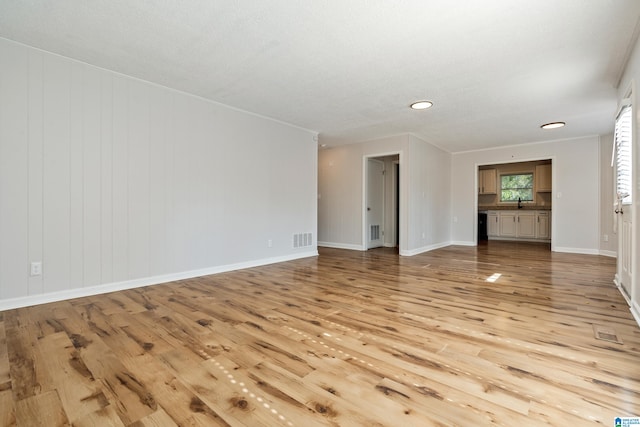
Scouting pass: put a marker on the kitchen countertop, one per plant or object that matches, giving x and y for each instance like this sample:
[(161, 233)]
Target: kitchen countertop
[(514, 208)]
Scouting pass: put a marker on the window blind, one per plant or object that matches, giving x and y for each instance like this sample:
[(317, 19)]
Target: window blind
[(622, 141)]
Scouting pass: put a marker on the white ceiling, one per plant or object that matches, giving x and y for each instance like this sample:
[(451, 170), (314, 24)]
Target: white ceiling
[(495, 69)]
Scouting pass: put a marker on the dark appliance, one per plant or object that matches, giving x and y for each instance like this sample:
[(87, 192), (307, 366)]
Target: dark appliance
[(482, 227)]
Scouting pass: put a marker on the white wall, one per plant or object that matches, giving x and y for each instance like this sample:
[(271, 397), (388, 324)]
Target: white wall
[(429, 196), (340, 187), (607, 247), (113, 182), (576, 182), (424, 193)]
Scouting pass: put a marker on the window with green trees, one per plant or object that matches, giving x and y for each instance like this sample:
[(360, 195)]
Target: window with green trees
[(516, 186)]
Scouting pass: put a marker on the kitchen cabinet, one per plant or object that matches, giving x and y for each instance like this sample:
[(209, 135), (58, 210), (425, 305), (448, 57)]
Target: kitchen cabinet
[(487, 181), (543, 225), (507, 223), (514, 225), (526, 225), (543, 178), (492, 224), (517, 224)]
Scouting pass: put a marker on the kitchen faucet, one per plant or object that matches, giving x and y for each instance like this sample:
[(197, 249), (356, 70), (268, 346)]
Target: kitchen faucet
[(519, 203)]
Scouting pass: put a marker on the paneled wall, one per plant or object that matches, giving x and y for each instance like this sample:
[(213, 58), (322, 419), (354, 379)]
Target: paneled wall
[(608, 234), (425, 193), (111, 181)]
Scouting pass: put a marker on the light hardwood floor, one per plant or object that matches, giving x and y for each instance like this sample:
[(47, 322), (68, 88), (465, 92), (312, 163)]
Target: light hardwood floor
[(348, 338)]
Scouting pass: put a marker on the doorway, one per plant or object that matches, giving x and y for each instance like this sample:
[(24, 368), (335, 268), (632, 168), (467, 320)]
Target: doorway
[(624, 210), (381, 216), (396, 210), (375, 203), (514, 201)]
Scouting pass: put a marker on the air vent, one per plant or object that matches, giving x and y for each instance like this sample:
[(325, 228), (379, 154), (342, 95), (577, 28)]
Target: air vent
[(375, 232), (302, 240), (606, 334)]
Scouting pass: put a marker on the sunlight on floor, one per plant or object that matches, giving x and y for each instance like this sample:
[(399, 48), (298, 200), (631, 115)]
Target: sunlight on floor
[(493, 277)]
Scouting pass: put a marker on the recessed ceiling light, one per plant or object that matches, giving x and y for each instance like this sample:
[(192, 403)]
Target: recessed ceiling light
[(553, 125), (421, 105)]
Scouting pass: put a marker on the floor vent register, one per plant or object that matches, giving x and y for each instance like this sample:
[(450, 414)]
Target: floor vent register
[(606, 334)]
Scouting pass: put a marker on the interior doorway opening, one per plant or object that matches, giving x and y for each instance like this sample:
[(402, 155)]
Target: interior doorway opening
[(382, 201), (396, 174), (514, 202)]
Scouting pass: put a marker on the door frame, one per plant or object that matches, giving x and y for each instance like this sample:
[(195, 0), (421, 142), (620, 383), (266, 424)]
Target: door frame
[(524, 160), (635, 206), (383, 205), (402, 221), (632, 294), (395, 211)]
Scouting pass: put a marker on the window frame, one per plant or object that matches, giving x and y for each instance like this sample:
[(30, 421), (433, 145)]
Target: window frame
[(533, 195)]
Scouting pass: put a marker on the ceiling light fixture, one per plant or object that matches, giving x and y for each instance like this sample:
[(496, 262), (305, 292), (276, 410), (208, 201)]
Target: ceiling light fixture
[(553, 125), (421, 105)]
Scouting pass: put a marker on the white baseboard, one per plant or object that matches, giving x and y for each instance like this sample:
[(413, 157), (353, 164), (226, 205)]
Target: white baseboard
[(616, 281), (635, 310), (462, 243), (341, 246), (633, 306), (12, 303), (611, 254), (582, 251), (518, 239), (410, 252), (423, 249)]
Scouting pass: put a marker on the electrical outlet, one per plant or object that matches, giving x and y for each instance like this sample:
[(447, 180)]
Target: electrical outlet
[(269, 243), (605, 237), (36, 268)]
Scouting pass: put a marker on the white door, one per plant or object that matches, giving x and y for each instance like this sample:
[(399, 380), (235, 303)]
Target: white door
[(625, 241), (375, 203), (623, 140)]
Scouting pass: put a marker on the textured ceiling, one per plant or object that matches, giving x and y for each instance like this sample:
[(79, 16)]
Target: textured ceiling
[(495, 69)]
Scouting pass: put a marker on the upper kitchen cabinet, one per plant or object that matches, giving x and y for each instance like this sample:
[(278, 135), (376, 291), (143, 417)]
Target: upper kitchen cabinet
[(487, 181), (543, 178)]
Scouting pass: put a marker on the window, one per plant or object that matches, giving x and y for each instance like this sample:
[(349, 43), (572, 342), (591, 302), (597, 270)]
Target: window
[(516, 186), (622, 143)]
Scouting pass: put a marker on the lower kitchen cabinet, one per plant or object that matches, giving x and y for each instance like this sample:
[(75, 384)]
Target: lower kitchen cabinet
[(492, 224), (526, 225), (508, 224), (543, 225), (514, 225)]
